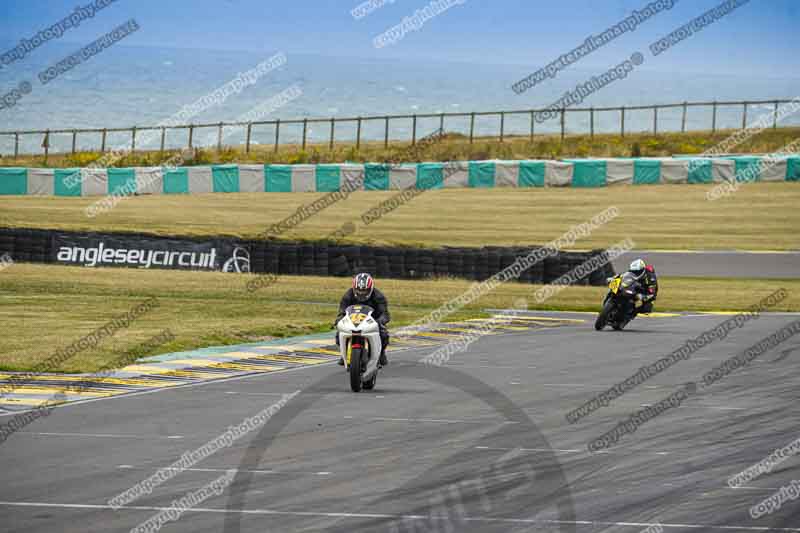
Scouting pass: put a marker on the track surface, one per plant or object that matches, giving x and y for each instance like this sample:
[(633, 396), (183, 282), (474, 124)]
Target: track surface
[(386, 460), (717, 264)]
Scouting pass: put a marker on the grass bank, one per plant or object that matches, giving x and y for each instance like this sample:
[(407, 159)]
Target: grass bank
[(452, 147), (760, 216)]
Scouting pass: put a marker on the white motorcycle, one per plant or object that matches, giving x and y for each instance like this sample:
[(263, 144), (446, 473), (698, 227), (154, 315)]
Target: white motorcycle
[(360, 346)]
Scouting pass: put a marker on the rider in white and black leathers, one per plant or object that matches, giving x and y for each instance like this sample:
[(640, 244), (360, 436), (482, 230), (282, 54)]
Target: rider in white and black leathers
[(364, 292)]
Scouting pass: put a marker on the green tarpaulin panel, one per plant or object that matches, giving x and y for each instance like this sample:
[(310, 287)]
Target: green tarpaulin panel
[(13, 181), (531, 174), (588, 173), (225, 178), (793, 169), (67, 182), (176, 181), (747, 168), (699, 171), (121, 181), (376, 177), (430, 176), (278, 178), (646, 172), (328, 178), (481, 174)]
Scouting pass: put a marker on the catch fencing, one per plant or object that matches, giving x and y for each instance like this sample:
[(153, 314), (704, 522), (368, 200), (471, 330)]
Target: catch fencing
[(495, 125)]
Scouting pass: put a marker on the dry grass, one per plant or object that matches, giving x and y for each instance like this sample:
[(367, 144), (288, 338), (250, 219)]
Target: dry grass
[(761, 216), (454, 147), (48, 307)]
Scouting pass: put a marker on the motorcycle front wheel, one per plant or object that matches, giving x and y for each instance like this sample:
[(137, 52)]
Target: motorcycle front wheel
[(602, 318), (355, 370)]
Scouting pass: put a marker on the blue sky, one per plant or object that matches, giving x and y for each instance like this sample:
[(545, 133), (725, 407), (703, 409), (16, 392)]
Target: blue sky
[(760, 37)]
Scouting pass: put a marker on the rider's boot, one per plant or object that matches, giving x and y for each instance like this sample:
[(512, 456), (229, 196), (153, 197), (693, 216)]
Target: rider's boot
[(382, 359)]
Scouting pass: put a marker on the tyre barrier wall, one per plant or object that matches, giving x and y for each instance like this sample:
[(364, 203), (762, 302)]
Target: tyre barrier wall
[(281, 257), (376, 177)]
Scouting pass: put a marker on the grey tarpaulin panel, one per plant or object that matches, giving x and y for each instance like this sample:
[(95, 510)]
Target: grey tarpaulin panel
[(619, 172), (95, 182), (506, 173), (149, 180), (353, 174), (674, 170), (251, 178), (200, 180), (455, 174), (304, 178), (403, 177), (557, 174), (773, 169), (40, 181), (723, 170)]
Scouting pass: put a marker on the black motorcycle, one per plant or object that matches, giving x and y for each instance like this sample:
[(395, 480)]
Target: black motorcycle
[(619, 306)]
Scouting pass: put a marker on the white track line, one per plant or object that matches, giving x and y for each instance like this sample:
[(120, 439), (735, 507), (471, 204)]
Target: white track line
[(279, 472), (486, 519), (99, 435)]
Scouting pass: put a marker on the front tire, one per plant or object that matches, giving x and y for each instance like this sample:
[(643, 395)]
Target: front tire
[(602, 318), (355, 370)]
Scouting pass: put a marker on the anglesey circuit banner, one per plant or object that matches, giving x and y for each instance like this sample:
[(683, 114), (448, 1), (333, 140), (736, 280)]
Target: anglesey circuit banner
[(148, 252)]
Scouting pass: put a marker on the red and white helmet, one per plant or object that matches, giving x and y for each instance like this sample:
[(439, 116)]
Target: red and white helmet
[(362, 286)]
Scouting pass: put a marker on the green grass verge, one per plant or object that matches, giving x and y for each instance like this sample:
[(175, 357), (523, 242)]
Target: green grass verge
[(45, 307), (760, 216)]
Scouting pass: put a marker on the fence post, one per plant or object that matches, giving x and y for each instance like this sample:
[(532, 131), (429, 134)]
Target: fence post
[(219, 137), (191, 134), (591, 121), (563, 128), (714, 117), (163, 138), (103, 145), (502, 126), (74, 140), (533, 122), (305, 131), (46, 145), (471, 127), (133, 139), (775, 116), (414, 130), (386, 134), (333, 122), (358, 134), (744, 117), (683, 119), (655, 120), (277, 134), (247, 142), (16, 145), (622, 125)]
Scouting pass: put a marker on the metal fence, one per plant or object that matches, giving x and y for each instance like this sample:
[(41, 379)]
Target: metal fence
[(160, 132)]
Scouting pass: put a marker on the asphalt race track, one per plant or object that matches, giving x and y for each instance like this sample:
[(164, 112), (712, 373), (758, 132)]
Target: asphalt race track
[(717, 264), (481, 444)]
